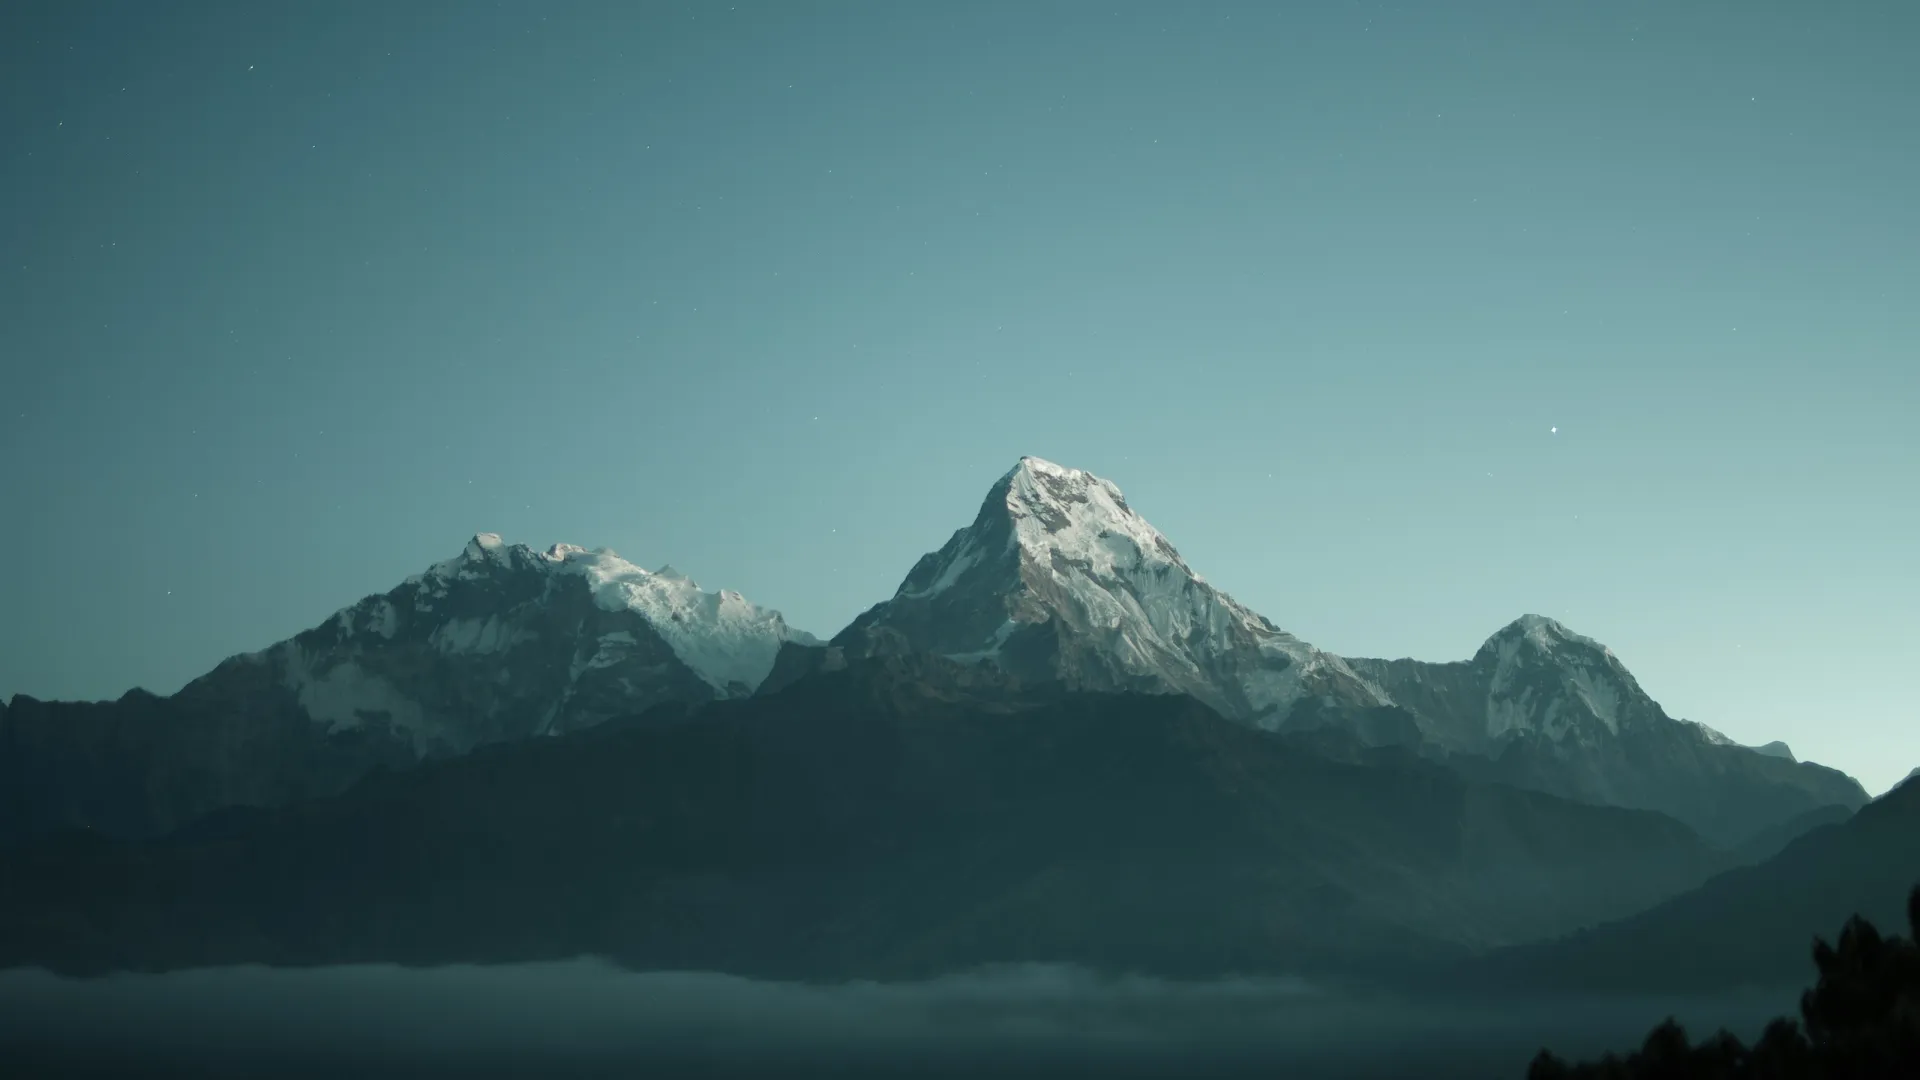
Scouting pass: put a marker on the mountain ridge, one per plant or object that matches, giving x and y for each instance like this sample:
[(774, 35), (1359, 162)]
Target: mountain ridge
[(1058, 577), (1746, 926), (901, 816), (499, 642), (1056, 580)]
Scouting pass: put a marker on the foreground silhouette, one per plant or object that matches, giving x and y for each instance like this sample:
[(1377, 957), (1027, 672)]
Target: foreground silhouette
[(1861, 1021)]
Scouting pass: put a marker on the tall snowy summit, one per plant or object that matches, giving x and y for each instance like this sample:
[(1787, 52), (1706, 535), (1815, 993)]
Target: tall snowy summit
[(1059, 579)]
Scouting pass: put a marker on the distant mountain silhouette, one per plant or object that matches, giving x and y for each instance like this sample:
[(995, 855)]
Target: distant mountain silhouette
[(1767, 843), (900, 816), (1748, 926)]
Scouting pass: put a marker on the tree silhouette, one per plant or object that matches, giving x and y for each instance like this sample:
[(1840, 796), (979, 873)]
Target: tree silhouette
[(1859, 1021)]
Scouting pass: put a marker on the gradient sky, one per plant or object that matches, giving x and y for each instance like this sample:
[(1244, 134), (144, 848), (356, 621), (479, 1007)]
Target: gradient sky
[(295, 298)]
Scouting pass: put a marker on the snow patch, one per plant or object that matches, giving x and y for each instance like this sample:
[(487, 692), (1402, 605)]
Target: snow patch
[(991, 650), (384, 621), (721, 636), (1713, 736), (1509, 714), (966, 558), (614, 647), (1600, 695), (489, 635), (344, 695)]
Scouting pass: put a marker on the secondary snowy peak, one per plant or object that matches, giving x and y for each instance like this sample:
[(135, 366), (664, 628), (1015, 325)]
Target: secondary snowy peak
[(1541, 633), (1532, 677), (1059, 578), (728, 641), (1542, 707), (496, 644), (1544, 678), (503, 641)]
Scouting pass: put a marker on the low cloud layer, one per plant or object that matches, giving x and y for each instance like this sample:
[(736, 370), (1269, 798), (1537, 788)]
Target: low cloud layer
[(590, 1019)]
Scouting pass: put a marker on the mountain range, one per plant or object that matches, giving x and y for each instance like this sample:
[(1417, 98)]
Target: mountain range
[(1055, 741), (901, 817), (1057, 579)]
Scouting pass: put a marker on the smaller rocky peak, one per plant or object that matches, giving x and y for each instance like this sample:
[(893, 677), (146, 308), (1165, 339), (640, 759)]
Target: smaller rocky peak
[(1537, 634), (485, 546)]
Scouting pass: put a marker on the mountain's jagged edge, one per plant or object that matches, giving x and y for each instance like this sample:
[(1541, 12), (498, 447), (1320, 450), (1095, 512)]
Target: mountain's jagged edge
[(1059, 578), (500, 642), (1745, 927), (896, 817)]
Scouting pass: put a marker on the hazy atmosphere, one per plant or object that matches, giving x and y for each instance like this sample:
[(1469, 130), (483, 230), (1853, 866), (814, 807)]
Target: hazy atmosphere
[(1400, 320), (586, 1019), (958, 538)]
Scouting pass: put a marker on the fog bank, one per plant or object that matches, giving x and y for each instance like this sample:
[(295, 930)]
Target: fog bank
[(586, 1018)]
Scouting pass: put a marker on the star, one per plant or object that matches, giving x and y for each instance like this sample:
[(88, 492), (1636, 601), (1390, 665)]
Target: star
[(1553, 431)]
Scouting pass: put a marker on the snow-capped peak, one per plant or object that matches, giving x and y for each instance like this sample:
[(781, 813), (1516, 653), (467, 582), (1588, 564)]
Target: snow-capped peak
[(1058, 577), (483, 546), (1549, 679), (726, 640), (1084, 518), (1541, 633)]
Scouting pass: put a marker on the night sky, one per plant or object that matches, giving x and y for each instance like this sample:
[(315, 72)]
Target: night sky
[(296, 298)]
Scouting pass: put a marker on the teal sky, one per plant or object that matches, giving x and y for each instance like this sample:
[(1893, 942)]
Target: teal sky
[(295, 298)]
